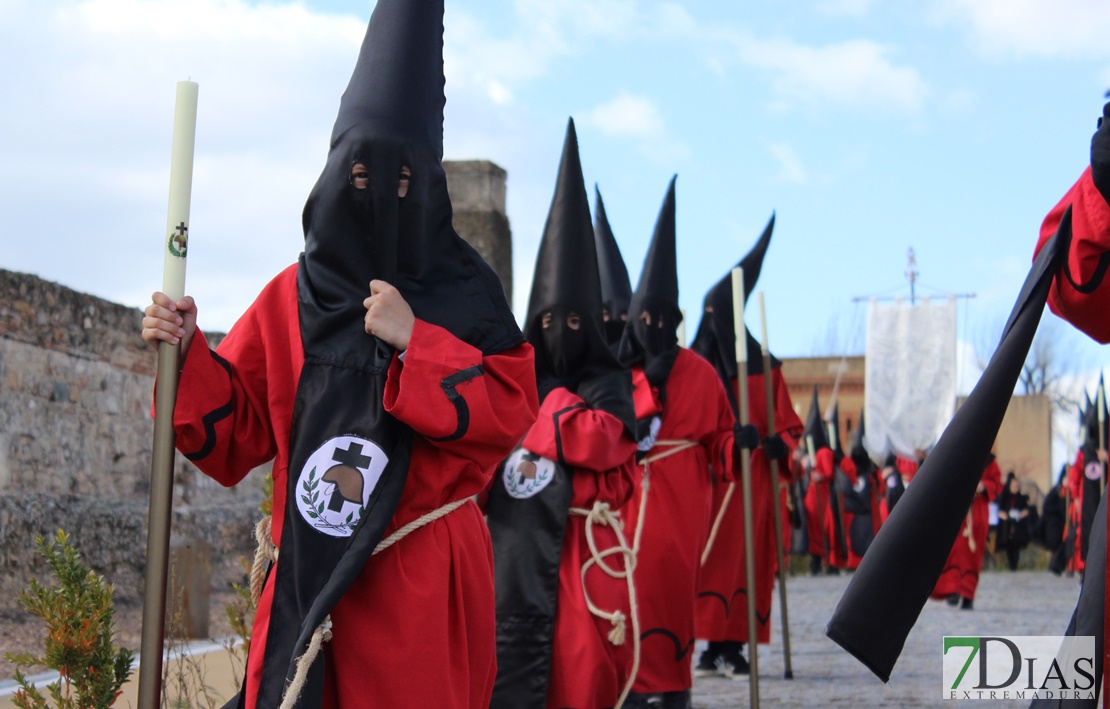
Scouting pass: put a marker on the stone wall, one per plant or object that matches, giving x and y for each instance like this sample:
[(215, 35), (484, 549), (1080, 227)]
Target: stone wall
[(75, 442), (75, 426), (477, 189)]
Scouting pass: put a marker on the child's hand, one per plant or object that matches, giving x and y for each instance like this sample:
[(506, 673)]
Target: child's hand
[(167, 321), (388, 316)]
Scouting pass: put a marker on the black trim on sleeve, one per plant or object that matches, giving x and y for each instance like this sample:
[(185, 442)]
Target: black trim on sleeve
[(1100, 270), (558, 436), (462, 411), (212, 417)]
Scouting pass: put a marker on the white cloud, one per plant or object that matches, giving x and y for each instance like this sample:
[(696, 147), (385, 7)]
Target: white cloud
[(856, 73), (627, 115), (849, 8), (1042, 28), (790, 165)]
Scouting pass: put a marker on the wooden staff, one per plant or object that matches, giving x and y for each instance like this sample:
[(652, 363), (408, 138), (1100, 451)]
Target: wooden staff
[(175, 242), (1100, 399), (746, 476), (769, 393)]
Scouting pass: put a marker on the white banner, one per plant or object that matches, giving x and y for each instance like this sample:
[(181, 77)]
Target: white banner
[(910, 378)]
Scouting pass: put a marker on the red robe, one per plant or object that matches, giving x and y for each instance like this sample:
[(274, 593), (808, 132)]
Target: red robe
[(1075, 511), (1086, 261), (427, 601), (677, 515), (965, 561), (587, 670), (821, 520), (724, 576)]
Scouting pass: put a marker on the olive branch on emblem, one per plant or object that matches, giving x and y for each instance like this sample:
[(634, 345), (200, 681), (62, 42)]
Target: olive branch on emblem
[(311, 495)]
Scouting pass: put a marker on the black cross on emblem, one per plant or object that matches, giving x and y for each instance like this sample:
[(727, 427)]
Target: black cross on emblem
[(352, 456), (181, 229)]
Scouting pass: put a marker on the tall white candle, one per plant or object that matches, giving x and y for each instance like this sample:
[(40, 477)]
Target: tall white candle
[(175, 240), (738, 314)]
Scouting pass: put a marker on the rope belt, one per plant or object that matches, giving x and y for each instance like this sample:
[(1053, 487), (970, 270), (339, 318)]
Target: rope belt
[(672, 447), (601, 514), (323, 633), (968, 533)]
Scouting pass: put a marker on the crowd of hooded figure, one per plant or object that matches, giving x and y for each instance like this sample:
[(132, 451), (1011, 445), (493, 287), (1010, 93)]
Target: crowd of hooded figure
[(469, 515)]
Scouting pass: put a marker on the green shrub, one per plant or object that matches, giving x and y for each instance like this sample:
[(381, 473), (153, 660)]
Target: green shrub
[(79, 633)]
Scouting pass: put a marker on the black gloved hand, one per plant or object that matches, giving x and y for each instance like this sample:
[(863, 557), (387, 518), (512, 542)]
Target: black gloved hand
[(1100, 154), (746, 436), (775, 447)]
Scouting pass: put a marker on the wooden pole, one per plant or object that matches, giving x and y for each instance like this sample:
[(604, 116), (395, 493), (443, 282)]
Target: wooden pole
[(746, 477), (769, 394), (175, 243)]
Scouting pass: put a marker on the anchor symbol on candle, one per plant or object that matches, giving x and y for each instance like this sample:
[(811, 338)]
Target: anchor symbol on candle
[(179, 241)]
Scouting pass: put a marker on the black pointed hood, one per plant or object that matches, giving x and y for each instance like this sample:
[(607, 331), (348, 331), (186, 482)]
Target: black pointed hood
[(715, 339), (815, 430), (857, 448), (566, 279), (887, 592), (657, 292), (616, 289), (390, 117), (1090, 424), (655, 345)]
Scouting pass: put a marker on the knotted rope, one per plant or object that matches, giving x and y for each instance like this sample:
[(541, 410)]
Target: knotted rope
[(601, 514)]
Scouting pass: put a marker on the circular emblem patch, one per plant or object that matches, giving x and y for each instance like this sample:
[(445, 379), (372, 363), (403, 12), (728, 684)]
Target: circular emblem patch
[(336, 481), (526, 473), (1093, 470)]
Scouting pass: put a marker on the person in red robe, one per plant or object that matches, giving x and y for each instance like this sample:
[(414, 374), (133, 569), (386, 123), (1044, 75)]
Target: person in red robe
[(384, 558), (566, 631), (722, 617), (829, 474), (684, 425), (960, 577), (1085, 481)]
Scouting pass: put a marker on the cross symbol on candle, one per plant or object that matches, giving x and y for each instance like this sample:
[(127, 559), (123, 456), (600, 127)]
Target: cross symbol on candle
[(179, 240)]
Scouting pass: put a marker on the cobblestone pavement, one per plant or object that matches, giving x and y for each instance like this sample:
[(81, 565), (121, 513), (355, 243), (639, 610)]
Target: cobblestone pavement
[(1020, 603)]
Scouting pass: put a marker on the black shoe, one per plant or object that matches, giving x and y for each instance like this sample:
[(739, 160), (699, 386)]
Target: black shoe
[(832, 571), (707, 664), (953, 599), (732, 665), (677, 700), (967, 605), (814, 565)]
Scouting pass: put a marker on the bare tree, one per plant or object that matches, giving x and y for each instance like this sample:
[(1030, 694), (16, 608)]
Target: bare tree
[(845, 334), (1052, 367)]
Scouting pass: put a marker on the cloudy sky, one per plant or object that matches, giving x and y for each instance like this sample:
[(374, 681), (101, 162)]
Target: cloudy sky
[(868, 126)]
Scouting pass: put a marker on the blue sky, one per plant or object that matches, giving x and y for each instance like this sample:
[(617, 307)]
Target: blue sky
[(868, 126)]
